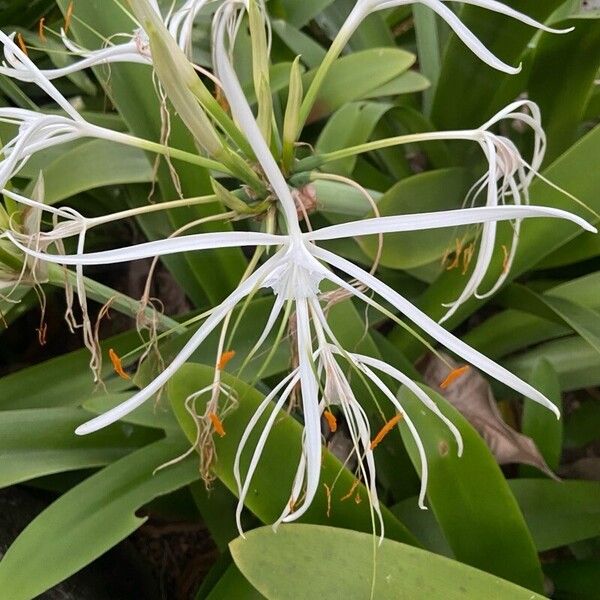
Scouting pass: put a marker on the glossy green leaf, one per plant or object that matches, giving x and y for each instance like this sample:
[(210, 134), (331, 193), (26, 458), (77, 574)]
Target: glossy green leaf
[(558, 513), (351, 125), (308, 561), (232, 585), (472, 489), (573, 60), (112, 165), (342, 86), (469, 91), (538, 422), (574, 360), (73, 530), (22, 389), (273, 479), (434, 190), (39, 442)]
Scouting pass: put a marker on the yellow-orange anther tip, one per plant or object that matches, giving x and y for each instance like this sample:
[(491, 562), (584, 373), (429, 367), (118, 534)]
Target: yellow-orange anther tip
[(453, 376), (21, 42), (331, 421), (385, 430), (224, 359), (217, 424), (118, 365)]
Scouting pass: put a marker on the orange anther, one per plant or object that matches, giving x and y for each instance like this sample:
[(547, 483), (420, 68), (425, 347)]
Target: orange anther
[(331, 420), (41, 33), (224, 359), (453, 376), (21, 43), (385, 430), (217, 424), (349, 494), (68, 16), (117, 365)]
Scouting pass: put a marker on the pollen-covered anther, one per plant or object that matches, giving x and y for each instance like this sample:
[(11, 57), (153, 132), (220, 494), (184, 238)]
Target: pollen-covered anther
[(118, 365), (224, 359), (217, 424), (453, 376), (385, 430), (331, 421)]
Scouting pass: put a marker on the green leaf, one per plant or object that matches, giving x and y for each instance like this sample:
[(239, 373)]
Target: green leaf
[(558, 513), (351, 125), (436, 190), (273, 479), (341, 84), (308, 561), (112, 164), (469, 91), (39, 442), (472, 489), (574, 360), (575, 580), (573, 60), (23, 390), (232, 585), (581, 320), (538, 422), (90, 519)]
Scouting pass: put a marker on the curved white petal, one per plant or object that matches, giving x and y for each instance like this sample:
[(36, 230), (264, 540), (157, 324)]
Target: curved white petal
[(441, 219), (200, 241), (435, 330)]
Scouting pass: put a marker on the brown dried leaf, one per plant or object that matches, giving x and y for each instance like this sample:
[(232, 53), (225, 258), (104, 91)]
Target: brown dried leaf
[(472, 395)]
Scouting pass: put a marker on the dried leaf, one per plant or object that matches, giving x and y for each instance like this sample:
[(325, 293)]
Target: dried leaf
[(472, 395)]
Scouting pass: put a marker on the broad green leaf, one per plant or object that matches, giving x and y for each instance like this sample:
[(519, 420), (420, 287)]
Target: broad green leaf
[(573, 60), (407, 83), (308, 561), (273, 479), (90, 519), (574, 360), (538, 422), (91, 165), (469, 91), (351, 125), (512, 330), (558, 513), (297, 13), (471, 489), (582, 320), (67, 379), (299, 43), (232, 585), (341, 84), (38, 442), (435, 190)]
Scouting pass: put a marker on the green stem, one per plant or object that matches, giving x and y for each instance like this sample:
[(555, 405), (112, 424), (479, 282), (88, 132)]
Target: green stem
[(313, 162)]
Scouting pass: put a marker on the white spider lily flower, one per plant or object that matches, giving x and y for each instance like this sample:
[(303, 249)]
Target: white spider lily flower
[(363, 8), (295, 273), (135, 50), (507, 180)]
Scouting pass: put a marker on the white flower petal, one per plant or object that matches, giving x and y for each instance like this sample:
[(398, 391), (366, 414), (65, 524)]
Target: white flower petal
[(435, 330), (441, 219), (200, 241)]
